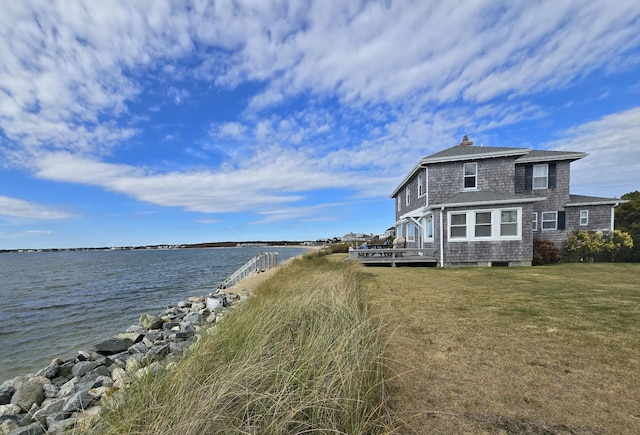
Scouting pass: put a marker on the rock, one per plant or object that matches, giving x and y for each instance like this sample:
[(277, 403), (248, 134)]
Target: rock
[(7, 426), (9, 409), (69, 388), (32, 429), (137, 329), (138, 348), (84, 367), (50, 390), (27, 393), (194, 318), (6, 391), (52, 408), (150, 321), (133, 336), (184, 304), (114, 345), (156, 353), (49, 371), (77, 402), (61, 426)]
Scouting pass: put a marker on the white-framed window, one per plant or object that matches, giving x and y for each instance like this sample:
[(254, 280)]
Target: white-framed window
[(420, 185), (470, 175), (477, 225), (535, 221), (508, 223), (399, 230), (407, 195), (458, 225), (584, 217), (483, 224), (398, 202), (428, 228), (411, 232), (540, 176), (549, 220)]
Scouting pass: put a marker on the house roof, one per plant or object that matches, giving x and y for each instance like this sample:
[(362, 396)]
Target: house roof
[(465, 151), (475, 198), (545, 156), (581, 200)]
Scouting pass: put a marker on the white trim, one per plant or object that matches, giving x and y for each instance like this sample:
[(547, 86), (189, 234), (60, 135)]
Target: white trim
[(539, 177), (542, 220), (534, 221), (474, 176), (496, 224), (586, 218)]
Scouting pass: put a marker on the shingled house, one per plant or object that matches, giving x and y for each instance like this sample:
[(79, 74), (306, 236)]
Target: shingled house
[(485, 205)]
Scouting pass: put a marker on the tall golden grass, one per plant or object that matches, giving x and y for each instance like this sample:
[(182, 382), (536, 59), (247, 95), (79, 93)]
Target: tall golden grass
[(302, 355)]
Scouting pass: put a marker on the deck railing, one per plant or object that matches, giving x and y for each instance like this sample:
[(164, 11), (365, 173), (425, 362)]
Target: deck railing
[(257, 264), (394, 254)]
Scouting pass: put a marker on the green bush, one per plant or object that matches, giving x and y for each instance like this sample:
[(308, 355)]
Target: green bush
[(545, 252), (595, 245), (339, 248)]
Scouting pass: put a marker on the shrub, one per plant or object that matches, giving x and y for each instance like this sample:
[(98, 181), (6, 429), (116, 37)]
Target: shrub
[(595, 245), (339, 248), (545, 252)]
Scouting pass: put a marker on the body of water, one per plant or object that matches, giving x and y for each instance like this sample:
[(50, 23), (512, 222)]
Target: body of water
[(53, 304)]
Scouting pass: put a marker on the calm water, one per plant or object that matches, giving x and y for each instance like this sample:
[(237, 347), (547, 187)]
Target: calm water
[(54, 304)]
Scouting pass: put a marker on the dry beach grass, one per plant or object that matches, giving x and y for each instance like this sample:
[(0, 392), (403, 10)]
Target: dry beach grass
[(543, 350), (329, 347)]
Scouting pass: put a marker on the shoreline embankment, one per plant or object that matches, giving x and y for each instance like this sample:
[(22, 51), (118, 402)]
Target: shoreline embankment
[(68, 393)]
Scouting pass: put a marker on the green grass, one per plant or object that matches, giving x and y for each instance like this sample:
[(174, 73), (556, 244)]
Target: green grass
[(302, 355), (552, 349)]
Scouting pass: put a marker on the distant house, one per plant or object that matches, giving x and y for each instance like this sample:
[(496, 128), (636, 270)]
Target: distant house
[(485, 205)]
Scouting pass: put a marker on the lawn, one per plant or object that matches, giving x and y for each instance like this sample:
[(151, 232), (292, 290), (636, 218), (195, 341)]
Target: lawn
[(532, 350)]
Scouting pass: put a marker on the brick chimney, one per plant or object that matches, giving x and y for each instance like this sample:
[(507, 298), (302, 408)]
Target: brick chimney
[(466, 142)]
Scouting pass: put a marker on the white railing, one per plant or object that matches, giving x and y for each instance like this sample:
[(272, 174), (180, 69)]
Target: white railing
[(391, 254), (257, 264)]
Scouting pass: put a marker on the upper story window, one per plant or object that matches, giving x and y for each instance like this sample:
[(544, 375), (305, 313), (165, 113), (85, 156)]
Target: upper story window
[(398, 202), (420, 185), (584, 217), (542, 176), (407, 195), (470, 175), (534, 222)]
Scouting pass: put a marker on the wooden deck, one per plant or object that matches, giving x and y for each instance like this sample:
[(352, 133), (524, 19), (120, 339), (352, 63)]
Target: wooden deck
[(395, 256)]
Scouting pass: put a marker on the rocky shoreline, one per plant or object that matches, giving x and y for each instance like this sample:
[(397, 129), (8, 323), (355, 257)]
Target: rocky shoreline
[(70, 393)]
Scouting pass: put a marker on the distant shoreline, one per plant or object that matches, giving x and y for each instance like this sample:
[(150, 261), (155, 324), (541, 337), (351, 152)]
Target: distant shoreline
[(275, 244)]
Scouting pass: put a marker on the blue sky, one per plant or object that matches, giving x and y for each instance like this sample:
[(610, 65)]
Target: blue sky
[(150, 122)]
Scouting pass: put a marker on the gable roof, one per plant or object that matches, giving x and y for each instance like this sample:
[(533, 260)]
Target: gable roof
[(466, 152)]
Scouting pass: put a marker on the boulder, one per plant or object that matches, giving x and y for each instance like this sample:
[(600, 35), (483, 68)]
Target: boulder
[(7, 427), (32, 429), (9, 409), (78, 402), (61, 426), (6, 391), (27, 393), (84, 367), (114, 345), (150, 321), (68, 388), (50, 371)]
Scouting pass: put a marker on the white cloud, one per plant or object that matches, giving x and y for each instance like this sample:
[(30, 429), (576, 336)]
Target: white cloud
[(611, 169), (18, 208)]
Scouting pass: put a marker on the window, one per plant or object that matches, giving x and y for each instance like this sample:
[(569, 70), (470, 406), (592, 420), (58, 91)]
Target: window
[(470, 175), (407, 195), (584, 217), (535, 221), (420, 186), (398, 202), (508, 223), (399, 230), (540, 176), (483, 224), (458, 225), (549, 220), (411, 232), (428, 227)]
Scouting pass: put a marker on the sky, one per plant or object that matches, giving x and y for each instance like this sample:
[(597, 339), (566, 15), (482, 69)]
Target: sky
[(140, 122)]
